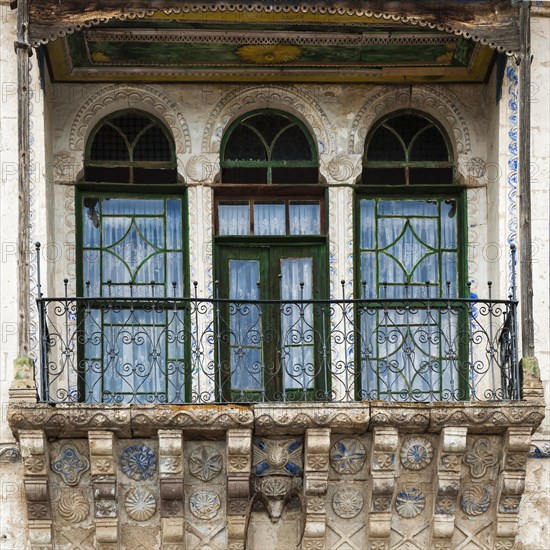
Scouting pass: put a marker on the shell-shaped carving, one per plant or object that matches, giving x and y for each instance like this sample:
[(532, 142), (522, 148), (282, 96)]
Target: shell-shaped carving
[(347, 502), (73, 507), (341, 168), (200, 168), (204, 504), (409, 503), (416, 453), (475, 499), (140, 504)]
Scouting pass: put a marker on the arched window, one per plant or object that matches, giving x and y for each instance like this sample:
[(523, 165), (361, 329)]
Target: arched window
[(132, 259), (409, 246), (270, 246), (268, 147), (130, 147), (407, 149)]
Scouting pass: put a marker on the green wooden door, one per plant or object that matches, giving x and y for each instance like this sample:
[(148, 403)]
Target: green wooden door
[(270, 329)]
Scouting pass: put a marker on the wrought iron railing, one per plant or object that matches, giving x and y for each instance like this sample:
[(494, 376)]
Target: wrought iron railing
[(200, 350)]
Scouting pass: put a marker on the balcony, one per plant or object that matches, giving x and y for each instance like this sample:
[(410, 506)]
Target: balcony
[(149, 350)]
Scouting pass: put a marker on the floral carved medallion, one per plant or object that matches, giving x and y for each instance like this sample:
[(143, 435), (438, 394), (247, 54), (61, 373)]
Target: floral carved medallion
[(269, 54), (70, 465), (347, 456), (140, 504), (409, 503), (138, 462), (347, 502), (205, 463), (204, 504), (416, 453)]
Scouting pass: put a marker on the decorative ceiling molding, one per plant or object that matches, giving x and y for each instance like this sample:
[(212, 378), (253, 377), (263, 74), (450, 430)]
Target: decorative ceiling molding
[(441, 105), (114, 97), (496, 23), (287, 98), (205, 36)]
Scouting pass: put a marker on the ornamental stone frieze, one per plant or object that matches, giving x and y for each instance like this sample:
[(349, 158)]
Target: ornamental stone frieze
[(319, 475)]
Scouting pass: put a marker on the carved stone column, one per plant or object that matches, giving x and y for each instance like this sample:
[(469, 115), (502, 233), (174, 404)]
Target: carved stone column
[(383, 474), (517, 442), (452, 444), (103, 470), (315, 486), (171, 488), (239, 448), (35, 455)]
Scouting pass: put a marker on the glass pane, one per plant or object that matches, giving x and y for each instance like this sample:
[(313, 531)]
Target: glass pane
[(268, 124), (368, 275), (173, 224), (91, 272), (407, 208), (108, 144), (246, 331), (297, 330), (131, 124), (269, 219), (448, 224), (132, 206), (367, 223), (153, 145), (407, 126), (429, 145), (90, 222), (234, 219), (305, 219), (384, 145), (292, 144), (244, 144)]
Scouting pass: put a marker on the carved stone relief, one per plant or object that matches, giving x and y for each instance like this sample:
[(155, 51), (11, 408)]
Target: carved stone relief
[(70, 465)]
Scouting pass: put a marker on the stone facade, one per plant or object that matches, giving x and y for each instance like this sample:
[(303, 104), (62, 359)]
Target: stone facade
[(365, 475)]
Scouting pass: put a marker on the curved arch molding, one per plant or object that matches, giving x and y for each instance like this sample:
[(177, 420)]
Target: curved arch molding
[(146, 98)]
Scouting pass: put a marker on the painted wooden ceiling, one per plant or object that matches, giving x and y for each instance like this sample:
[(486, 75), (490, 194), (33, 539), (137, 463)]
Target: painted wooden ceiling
[(336, 49)]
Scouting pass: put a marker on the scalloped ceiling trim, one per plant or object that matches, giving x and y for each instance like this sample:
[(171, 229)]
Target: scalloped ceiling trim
[(140, 14)]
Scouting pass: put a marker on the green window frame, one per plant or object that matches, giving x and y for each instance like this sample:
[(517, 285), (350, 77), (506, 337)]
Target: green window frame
[(255, 185), (132, 220), (410, 221)]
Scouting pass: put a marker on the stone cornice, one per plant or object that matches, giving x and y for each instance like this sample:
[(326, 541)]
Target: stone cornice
[(74, 420)]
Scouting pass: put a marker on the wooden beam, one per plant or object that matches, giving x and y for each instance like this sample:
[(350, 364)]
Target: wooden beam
[(525, 242), (493, 21), (23, 52)]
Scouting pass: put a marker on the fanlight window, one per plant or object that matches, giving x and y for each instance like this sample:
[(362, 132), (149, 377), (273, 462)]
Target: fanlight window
[(130, 147), (407, 149), (268, 148)]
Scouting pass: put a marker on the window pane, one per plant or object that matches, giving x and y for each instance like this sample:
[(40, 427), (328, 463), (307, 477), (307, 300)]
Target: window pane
[(292, 144), (132, 206), (367, 224), (268, 124), (246, 330), (383, 176), (448, 224), (234, 219), (153, 146), (407, 126), (108, 144), (90, 222), (269, 219), (244, 144), (429, 145), (131, 124), (384, 145), (173, 224), (305, 219)]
